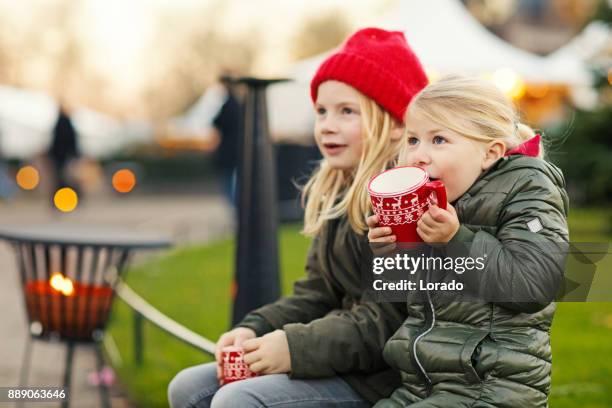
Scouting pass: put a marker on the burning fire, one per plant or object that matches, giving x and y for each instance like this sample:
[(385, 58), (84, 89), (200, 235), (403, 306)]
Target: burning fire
[(62, 284)]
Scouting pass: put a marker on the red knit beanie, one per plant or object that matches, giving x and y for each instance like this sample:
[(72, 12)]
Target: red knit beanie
[(378, 63)]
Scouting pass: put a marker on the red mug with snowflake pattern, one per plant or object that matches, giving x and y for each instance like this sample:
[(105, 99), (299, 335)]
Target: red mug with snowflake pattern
[(401, 195), (233, 367)]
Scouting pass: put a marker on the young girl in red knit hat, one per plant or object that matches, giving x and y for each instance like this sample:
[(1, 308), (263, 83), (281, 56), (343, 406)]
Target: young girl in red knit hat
[(322, 346), (507, 207)]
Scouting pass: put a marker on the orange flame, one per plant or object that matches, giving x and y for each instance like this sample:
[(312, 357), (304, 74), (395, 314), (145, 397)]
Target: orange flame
[(62, 284)]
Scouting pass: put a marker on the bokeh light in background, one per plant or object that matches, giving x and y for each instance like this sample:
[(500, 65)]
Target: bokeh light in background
[(27, 178), (538, 90), (509, 82), (65, 199), (610, 76), (124, 181)]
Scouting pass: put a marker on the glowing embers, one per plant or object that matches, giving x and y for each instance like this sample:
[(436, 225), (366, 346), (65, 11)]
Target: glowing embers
[(62, 284)]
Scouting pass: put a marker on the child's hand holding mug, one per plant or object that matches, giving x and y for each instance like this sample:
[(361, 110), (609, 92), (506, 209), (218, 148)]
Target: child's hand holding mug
[(382, 238), (435, 226), (438, 225), (268, 354), (233, 337)]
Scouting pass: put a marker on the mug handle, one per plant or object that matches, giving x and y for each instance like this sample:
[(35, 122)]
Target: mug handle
[(438, 187)]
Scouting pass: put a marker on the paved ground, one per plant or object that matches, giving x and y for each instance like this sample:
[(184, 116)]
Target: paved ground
[(187, 218)]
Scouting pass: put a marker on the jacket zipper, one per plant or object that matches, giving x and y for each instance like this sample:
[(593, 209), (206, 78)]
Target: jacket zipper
[(430, 322)]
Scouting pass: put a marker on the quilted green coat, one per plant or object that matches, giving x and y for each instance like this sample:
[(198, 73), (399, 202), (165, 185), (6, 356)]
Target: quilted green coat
[(491, 354)]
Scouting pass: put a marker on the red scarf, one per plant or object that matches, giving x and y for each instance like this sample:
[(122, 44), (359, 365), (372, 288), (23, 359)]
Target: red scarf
[(530, 147)]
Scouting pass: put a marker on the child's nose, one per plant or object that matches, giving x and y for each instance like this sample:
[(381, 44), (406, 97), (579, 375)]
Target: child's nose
[(420, 157), (328, 126)]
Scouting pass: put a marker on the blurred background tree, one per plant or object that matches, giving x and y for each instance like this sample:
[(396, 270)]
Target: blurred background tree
[(184, 63), (319, 34), (581, 144), (46, 51), (582, 147), (584, 142)]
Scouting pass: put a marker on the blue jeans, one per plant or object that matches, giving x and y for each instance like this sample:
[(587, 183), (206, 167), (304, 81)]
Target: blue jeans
[(198, 387)]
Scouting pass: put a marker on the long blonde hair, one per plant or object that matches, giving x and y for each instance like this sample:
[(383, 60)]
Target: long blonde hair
[(472, 107), (331, 193)]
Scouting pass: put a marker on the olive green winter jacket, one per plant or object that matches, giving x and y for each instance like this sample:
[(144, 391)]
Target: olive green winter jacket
[(331, 328), (491, 354)]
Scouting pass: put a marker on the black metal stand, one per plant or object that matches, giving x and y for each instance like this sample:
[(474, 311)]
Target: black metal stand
[(24, 372), (257, 272), (68, 371)]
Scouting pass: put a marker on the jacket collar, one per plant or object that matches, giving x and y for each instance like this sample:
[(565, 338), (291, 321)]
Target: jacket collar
[(529, 148)]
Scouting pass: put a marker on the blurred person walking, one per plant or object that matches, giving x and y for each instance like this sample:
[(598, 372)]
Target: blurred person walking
[(6, 186), (228, 122), (64, 148)]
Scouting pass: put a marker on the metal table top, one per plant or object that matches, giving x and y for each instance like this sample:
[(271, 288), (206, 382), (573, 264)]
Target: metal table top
[(82, 234)]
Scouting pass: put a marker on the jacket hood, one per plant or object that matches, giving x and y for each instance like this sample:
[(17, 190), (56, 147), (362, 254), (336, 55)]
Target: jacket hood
[(516, 162)]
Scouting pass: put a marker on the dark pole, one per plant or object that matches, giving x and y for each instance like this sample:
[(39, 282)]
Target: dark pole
[(256, 277)]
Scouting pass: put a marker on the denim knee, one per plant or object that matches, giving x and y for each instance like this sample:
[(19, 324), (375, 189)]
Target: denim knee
[(187, 391), (179, 390), (234, 395)]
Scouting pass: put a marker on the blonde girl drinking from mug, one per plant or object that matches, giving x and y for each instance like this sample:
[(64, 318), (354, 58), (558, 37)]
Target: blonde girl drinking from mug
[(507, 205), (322, 346)]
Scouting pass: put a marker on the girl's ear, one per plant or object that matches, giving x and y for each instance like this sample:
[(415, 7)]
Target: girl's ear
[(397, 132), (494, 151)]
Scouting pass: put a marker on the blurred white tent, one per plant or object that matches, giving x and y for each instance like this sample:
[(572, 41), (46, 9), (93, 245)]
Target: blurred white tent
[(27, 119), (198, 119), (447, 39)]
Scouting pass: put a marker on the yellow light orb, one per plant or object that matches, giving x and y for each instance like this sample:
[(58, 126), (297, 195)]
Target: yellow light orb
[(509, 82), (65, 199), (518, 91), (27, 178), (610, 76), (124, 181)]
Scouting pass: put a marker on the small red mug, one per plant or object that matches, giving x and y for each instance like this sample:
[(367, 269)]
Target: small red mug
[(233, 367), (401, 195)]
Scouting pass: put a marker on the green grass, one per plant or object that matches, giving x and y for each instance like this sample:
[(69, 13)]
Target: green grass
[(192, 286), (582, 332)]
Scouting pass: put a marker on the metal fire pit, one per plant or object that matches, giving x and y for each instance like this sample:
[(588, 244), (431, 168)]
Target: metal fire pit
[(68, 273), (68, 290)]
